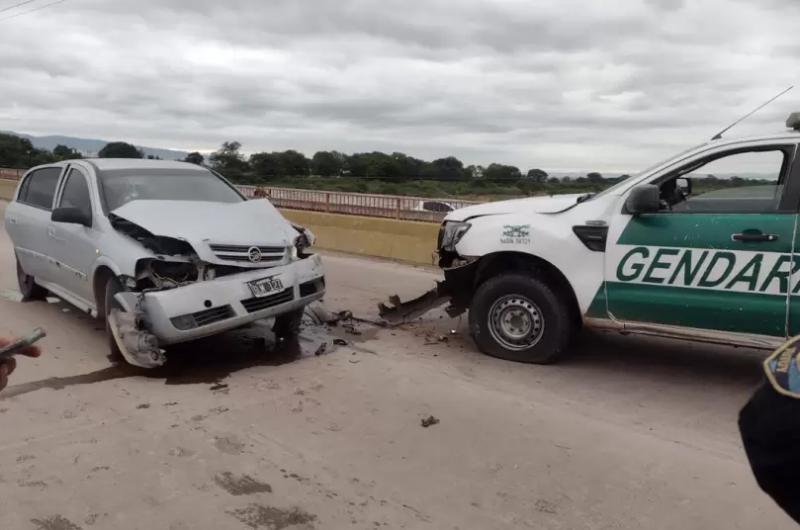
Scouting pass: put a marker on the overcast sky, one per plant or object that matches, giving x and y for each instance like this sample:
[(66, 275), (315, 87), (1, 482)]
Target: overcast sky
[(592, 85)]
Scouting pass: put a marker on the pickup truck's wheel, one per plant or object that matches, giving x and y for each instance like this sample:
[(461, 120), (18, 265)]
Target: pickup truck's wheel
[(519, 318), (288, 325), (109, 302), (28, 287)]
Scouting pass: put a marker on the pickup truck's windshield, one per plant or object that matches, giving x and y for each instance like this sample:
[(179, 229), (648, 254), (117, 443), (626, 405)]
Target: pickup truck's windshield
[(124, 185)]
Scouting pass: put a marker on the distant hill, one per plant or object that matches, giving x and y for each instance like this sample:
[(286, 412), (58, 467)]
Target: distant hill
[(91, 146)]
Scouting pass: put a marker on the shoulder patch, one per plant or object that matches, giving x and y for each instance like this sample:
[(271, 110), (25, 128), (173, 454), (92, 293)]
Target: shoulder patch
[(782, 368)]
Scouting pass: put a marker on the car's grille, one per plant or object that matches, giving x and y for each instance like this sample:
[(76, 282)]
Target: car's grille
[(257, 304), (241, 253), (205, 317)]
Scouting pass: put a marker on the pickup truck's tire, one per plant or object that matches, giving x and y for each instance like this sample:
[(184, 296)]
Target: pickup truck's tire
[(288, 325), (109, 302), (28, 287), (519, 318)]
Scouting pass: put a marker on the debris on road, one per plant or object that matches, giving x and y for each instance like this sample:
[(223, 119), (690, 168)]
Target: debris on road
[(398, 312), (143, 406), (430, 420), (321, 349), (216, 387), (340, 342)]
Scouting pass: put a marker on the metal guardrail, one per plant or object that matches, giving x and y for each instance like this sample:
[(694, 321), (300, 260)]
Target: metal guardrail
[(370, 205), (366, 204), (11, 174)]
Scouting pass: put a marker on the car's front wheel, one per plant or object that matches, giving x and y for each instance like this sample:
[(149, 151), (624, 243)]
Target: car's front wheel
[(109, 302), (28, 287), (519, 318)]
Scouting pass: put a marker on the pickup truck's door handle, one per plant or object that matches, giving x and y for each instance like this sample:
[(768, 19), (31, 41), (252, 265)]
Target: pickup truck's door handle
[(754, 236), (51, 232)]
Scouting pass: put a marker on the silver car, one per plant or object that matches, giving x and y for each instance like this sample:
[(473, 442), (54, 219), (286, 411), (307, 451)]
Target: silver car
[(164, 252)]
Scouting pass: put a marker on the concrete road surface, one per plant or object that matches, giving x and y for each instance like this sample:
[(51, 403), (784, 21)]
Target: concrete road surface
[(626, 433)]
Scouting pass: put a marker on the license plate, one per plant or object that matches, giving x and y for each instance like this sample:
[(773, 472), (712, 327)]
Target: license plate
[(265, 286)]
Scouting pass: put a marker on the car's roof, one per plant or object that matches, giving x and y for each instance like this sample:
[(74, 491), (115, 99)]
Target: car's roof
[(108, 164)]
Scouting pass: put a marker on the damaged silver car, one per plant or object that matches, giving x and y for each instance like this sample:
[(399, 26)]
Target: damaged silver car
[(164, 252)]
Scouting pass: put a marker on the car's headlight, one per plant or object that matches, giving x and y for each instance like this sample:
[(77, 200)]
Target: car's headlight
[(452, 232)]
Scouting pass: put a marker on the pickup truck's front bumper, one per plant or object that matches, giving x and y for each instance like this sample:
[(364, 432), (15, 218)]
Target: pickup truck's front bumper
[(226, 303)]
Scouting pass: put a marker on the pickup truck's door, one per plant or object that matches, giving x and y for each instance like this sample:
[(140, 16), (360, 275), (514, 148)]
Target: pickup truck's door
[(75, 245), (719, 253), (28, 219)]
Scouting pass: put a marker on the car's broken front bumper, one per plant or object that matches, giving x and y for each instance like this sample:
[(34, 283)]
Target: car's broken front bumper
[(209, 307)]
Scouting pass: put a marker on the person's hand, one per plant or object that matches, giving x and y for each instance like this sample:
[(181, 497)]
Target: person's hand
[(7, 366)]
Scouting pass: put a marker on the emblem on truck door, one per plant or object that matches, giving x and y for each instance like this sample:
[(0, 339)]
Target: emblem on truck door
[(254, 254), (516, 234)]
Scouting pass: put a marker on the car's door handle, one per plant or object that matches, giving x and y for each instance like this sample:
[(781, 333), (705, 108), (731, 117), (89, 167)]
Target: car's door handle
[(753, 236), (12, 220), (51, 232)]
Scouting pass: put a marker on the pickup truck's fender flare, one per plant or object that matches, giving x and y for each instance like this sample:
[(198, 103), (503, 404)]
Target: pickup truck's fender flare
[(469, 277)]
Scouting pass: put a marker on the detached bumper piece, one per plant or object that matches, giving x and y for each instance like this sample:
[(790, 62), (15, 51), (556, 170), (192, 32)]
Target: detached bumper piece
[(399, 312)]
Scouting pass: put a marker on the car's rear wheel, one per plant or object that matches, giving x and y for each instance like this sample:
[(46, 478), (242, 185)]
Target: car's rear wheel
[(109, 302), (288, 325), (28, 287), (519, 318)]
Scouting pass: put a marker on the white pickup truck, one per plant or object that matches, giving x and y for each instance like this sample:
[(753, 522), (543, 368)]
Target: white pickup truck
[(702, 246), (165, 252)]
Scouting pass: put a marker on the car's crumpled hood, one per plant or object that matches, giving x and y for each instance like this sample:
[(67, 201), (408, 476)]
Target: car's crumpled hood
[(199, 223), (550, 204)]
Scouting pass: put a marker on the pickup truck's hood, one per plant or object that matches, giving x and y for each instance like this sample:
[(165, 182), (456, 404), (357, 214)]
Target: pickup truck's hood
[(254, 222), (550, 204)]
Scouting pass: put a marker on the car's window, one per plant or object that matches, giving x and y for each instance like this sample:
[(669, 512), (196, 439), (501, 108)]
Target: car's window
[(742, 182), (40, 187), (76, 193), (126, 185)]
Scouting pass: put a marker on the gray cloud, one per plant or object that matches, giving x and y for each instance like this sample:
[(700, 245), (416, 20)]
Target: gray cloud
[(556, 84)]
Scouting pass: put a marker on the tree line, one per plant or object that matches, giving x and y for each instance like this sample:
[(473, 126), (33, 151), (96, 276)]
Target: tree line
[(373, 172)]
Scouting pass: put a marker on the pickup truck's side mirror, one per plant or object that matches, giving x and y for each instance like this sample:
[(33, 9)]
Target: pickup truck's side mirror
[(71, 216), (684, 186), (643, 199)]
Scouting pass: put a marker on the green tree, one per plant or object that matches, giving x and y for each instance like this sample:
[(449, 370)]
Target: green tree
[(538, 175), (450, 168), (195, 158), (266, 165), (408, 167), (501, 172), (120, 150), (294, 164), (474, 171), (62, 152), (327, 163), (594, 177), (15, 151), (228, 161)]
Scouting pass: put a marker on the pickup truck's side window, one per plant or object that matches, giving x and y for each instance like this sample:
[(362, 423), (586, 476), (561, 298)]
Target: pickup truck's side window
[(76, 193), (740, 182), (40, 187)]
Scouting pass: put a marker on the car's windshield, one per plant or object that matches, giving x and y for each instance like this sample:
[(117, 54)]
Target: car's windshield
[(125, 185)]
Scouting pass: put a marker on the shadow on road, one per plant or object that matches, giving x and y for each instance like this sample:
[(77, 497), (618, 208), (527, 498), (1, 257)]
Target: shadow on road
[(207, 360), (647, 357)]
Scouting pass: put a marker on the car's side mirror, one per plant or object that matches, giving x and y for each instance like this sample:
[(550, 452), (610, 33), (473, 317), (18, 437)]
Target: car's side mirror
[(643, 199), (72, 216)]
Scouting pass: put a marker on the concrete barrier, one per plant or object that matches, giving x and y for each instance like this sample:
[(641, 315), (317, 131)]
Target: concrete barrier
[(7, 188), (410, 241)]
